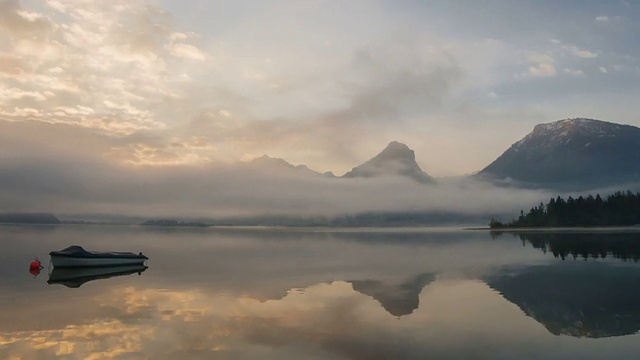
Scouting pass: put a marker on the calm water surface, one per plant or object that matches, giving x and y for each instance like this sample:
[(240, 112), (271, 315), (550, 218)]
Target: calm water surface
[(318, 294)]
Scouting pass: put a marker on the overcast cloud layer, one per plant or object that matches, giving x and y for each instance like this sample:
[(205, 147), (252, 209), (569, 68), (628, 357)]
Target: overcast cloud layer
[(129, 105)]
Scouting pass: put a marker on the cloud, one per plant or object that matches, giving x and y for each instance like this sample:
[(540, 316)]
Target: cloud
[(575, 50), (542, 70), (309, 82), (391, 83), (111, 59), (541, 58), (573, 72), (16, 94), (17, 22), (378, 89), (186, 51), (607, 20), (585, 54), (543, 66), (57, 5), (581, 53), (161, 152)]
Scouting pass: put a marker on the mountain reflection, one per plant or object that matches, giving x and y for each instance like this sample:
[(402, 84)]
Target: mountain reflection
[(623, 246), (397, 300), (581, 299)]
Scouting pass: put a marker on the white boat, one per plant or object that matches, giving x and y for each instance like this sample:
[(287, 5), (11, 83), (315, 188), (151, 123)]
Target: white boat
[(76, 256)]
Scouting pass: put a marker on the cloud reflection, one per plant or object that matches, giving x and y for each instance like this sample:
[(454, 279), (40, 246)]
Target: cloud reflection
[(273, 294), (327, 320)]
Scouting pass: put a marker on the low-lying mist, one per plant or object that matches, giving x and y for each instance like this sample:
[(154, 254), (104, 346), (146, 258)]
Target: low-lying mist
[(80, 185)]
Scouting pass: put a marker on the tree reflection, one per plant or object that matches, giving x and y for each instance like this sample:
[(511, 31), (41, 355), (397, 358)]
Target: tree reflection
[(623, 246), (581, 299)]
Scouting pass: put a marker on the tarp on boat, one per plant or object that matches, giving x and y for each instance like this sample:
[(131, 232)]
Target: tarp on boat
[(78, 251)]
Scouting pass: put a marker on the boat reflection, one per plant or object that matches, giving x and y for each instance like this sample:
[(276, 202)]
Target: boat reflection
[(76, 277)]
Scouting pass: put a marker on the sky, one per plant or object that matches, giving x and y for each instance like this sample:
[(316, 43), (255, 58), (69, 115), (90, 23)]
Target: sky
[(160, 85)]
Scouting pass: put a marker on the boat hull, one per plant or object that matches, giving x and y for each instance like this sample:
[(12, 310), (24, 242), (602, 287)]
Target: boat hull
[(76, 256), (67, 261)]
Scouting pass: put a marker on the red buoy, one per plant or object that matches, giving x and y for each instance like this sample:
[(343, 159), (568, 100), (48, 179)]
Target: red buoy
[(35, 264), (35, 267)]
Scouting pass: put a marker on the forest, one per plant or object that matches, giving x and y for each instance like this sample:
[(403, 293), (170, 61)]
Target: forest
[(618, 209)]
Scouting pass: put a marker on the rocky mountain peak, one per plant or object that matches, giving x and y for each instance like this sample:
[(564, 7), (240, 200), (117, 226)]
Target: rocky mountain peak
[(558, 131), (396, 150), (395, 159), (571, 153)]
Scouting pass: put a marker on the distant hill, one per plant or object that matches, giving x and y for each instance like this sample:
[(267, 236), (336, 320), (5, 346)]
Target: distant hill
[(28, 218), (173, 222), (268, 163), (571, 154), (396, 159), (367, 219)]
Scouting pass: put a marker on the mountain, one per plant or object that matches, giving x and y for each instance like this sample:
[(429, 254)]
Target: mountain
[(571, 154), (28, 218), (277, 164), (395, 159)]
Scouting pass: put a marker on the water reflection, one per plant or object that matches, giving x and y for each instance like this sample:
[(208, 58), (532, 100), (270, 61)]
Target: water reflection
[(594, 299), (398, 300), (291, 294), (583, 299), (76, 277), (328, 320), (623, 246)]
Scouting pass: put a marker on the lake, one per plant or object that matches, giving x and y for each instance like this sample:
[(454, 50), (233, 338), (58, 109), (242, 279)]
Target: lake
[(242, 293)]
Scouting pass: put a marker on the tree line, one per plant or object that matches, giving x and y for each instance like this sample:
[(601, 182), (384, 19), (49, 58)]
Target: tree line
[(618, 209)]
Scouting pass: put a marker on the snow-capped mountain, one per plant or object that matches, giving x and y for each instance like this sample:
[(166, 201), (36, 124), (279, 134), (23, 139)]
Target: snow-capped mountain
[(396, 159), (572, 153)]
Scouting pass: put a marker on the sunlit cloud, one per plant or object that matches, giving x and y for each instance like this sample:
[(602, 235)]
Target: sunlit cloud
[(176, 152), (89, 62), (585, 54), (159, 85), (185, 51), (542, 70)]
